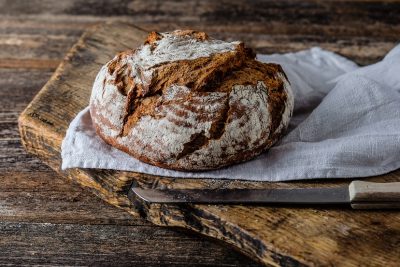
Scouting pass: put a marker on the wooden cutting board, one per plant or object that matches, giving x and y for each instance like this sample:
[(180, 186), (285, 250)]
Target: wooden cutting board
[(286, 236)]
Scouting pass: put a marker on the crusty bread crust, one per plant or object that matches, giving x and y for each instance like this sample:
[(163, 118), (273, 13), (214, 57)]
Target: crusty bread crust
[(187, 102)]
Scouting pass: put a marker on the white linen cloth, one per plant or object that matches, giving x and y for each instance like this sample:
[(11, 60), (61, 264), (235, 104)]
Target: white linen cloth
[(346, 124)]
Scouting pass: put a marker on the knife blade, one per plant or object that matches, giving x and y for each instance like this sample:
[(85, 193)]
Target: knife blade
[(359, 194)]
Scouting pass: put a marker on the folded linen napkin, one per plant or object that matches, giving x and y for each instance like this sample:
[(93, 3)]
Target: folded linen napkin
[(346, 123)]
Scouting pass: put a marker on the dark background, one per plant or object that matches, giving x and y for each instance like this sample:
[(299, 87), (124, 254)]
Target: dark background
[(47, 220)]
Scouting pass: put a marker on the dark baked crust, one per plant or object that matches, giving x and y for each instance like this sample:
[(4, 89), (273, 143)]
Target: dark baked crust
[(212, 94)]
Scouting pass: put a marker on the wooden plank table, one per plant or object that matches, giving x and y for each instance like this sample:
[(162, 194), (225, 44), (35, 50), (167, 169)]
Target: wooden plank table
[(46, 220)]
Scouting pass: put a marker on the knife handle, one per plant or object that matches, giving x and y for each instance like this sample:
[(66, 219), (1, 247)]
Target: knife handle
[(369, 195)]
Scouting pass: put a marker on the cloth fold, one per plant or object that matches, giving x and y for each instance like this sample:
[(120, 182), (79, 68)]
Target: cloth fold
[(346, 123)]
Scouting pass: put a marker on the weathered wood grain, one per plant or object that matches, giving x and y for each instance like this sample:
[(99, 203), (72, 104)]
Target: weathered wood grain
[(276, 236), (29, 63), (44, 196), (17, 88), (45, 220), (48, 37), (290, 12), (107, 245), (43, 28), (34, 47)]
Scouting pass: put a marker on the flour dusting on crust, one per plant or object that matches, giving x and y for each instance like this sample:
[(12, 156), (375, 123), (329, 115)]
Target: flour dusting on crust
[(189, 102)]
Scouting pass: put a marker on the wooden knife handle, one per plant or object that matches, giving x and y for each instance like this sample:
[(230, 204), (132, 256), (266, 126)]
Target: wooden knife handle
[(369, 195)]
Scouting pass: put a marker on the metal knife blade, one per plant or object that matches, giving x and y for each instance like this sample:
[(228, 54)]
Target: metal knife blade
[(337, 195), (359, 194)]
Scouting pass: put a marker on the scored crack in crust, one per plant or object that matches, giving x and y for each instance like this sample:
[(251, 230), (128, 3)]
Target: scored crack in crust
[(185, 101)]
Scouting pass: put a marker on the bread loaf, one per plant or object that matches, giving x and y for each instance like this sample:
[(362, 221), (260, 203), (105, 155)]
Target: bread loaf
[(188, 102)]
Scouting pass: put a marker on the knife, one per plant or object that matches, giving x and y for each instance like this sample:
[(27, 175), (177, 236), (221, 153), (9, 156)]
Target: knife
[(358, 194)]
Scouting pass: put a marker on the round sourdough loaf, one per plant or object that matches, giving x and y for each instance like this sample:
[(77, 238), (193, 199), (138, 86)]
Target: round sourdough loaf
[(185, 101)]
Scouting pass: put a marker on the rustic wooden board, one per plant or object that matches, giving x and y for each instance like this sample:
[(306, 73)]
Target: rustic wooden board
[(274, 236)]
